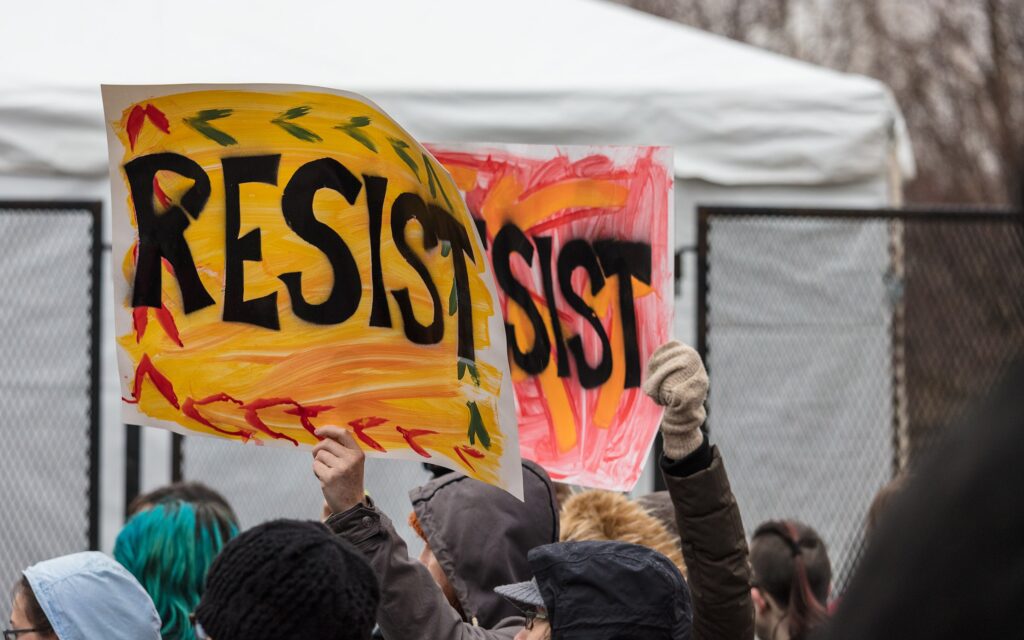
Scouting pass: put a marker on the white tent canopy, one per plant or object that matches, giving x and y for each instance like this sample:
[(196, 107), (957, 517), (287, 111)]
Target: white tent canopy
[(566, 71), (747, 126)]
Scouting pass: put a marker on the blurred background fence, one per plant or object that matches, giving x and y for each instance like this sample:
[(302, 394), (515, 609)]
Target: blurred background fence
[(49, 383), (839, 343), (264, 483)]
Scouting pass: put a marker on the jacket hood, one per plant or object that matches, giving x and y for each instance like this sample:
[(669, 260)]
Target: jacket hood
[(659, 504), (89, 595), (611, 591), (606, 515), (480, 535)]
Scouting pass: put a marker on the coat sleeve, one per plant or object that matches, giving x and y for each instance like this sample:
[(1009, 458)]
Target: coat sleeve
[(412, 606), (715, 551)]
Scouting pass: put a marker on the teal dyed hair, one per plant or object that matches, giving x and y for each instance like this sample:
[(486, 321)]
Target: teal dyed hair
[(169, 549)]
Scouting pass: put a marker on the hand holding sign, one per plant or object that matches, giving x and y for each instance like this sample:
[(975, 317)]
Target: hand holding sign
[(338, 464)]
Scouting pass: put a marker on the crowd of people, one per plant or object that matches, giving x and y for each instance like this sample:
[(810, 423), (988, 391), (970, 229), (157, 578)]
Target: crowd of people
[(674, 565)]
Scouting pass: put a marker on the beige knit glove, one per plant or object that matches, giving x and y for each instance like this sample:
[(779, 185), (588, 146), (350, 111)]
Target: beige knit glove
[(676, 380)]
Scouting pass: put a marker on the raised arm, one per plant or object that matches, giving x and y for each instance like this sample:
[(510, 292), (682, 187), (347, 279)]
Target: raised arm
[(713, 539), (412, 606)]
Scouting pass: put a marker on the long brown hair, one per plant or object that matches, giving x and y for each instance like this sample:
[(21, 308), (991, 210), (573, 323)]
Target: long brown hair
[(790, 563)]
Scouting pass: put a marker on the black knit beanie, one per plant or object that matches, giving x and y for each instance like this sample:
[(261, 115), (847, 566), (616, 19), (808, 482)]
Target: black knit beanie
[(286, 580)]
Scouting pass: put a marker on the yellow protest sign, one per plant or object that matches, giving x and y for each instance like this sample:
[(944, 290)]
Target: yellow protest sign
[(289, 257)]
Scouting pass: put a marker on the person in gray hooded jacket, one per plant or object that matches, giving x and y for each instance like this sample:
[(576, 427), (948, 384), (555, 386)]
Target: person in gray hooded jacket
[(479, 536)]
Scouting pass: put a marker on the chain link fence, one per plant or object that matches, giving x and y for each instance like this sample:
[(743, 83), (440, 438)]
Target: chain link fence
[(49, 383), (267, 482), (839, 344)]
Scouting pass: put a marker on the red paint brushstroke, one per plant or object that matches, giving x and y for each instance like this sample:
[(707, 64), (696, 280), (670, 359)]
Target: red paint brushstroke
[(160, 195), (361, 425), (462, 451), (166, 321), (136, 117), (253, 408), (305, 413), (190, 410), (572, 215), (158, 118), (162, 384), (140, 319), (252, 416), (462, 457), (410, 436)]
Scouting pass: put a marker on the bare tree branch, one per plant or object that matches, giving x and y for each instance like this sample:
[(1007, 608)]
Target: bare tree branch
[(955, 66)]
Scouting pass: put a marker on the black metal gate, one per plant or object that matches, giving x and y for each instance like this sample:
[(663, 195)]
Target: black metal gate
[(841, 342), (49, 381)]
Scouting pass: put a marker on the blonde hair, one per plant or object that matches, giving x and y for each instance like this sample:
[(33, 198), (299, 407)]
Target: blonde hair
[(605, 515)]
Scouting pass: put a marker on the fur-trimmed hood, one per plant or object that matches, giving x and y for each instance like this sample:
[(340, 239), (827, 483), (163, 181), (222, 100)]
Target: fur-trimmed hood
[(605, 515)]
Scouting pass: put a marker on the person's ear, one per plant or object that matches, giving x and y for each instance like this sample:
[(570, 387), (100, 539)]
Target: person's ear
[(761, 603)]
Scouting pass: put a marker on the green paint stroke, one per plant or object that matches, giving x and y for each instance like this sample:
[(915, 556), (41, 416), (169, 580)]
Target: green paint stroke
[(476, 427), (453, 300), (352, 130), (470, 366), (434, 180), (201, 123), (295, 130), (446, 248), (430, 176), (399, 147), (295, 112), (299, 132)]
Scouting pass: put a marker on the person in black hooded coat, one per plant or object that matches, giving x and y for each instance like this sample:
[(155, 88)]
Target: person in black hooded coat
[(602, 590)]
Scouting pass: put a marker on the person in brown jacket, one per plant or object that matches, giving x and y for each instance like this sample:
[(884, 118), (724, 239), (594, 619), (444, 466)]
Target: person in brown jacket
[(714, 545), (477, 539), (707, 516)]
